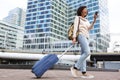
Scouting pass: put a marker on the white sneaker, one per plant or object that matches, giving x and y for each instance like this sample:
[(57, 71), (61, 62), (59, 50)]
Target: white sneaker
[(73, 72), (87, 76)]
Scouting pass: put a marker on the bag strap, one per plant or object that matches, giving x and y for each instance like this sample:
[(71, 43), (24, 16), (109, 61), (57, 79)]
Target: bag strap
[(78, 24)]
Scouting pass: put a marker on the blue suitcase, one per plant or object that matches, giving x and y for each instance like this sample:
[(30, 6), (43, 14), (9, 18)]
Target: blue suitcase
[(44, 64), (41, 66)]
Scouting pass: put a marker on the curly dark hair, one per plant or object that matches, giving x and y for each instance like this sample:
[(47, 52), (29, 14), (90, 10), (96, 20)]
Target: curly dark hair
[(80, 9)]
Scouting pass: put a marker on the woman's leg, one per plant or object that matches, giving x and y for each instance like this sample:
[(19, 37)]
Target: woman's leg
[(81, 63), (83, 66)]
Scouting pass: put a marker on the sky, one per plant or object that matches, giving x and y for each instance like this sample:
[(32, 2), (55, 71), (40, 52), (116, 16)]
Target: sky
[(7, 5), (113, 6)]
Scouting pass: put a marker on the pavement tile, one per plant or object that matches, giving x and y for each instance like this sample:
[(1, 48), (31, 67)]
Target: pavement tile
[(25, 74)]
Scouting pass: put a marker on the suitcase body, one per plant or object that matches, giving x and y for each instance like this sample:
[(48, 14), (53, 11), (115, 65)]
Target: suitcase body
[(41, 66)]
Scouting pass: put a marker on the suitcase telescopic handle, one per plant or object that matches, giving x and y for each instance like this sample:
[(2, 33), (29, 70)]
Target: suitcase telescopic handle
[(65, 51)]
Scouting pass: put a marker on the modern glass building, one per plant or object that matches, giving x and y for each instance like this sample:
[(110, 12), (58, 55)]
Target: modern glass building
[(16, 17), (47, 21)]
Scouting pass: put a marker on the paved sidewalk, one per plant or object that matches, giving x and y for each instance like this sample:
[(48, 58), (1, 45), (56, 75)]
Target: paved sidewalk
[(25, 74)]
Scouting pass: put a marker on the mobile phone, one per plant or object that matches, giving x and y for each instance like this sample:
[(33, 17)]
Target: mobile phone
[(96, 13)]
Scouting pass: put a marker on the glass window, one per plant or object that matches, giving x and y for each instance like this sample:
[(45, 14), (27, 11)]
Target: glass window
[(48, 16), (40, 17), (41, 21), (95, 4), (29, 10), (48, 7), (28, 15), (48, 29), (27, 27), (90, 5), (39, 25), (29, 3), (90, 18), (42, 8), (47, 3), (27, 31), (34, 18), (28, 46), (29, 7), (40, 4), (34, 6), (96, 31), (32, 31), (34, 10), (33, 22), (35, 2), (91, 31), (95, 8), (28, 23), (39, 30), (48, 20), (42, 12), (33, 46), (96, 26), (28, 19), (34, 13), (45, 25), (46, 12), (91, 13), (31, 26), (98, 21), (41, 0), (41, 35)]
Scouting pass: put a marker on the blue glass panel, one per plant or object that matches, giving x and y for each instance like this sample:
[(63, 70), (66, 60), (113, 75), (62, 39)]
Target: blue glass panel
[(32, 31)]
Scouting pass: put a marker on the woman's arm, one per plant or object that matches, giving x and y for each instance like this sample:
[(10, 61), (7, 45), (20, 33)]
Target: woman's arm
[(75, 29), (92, 24), (75, 26)]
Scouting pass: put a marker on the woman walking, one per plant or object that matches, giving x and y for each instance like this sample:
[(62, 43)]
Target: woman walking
[(84, 27)]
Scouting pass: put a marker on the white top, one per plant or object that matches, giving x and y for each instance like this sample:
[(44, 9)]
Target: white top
[(83, 26)]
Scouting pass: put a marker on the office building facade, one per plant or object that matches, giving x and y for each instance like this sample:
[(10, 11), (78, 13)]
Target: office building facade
[(46, 21), (11, 36)]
